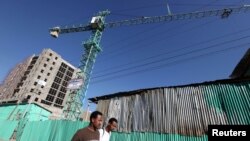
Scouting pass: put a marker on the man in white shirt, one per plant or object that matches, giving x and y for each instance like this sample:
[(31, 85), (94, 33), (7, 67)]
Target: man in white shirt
[(105, 133)]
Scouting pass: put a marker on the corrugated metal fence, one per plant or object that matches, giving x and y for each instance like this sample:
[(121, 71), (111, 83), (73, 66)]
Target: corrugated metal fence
[(180, 110)]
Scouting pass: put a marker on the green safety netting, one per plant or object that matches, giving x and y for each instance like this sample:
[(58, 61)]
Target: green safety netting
[(12, 111), (59, 130), (136, 136), (6, 129), (51, 130)]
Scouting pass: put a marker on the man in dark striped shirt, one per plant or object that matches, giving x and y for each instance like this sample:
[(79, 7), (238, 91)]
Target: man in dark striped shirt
[(90, 133)]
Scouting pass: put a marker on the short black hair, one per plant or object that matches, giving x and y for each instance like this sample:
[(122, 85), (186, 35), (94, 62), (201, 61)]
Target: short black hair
[(111, 120), (95, 115)]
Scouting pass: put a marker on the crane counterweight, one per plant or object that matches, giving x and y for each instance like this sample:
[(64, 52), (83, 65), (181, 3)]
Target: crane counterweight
[(54, 32)]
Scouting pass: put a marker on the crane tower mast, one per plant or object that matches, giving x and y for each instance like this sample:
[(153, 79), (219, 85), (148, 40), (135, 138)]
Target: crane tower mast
[(72, 109)]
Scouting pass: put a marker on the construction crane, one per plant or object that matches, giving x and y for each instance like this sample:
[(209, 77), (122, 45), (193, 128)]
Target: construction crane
[(92, 47)]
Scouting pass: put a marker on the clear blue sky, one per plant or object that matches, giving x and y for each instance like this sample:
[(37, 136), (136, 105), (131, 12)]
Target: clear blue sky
[(25, 24)]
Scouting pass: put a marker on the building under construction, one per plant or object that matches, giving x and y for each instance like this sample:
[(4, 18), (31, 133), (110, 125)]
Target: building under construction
[(39, 79)]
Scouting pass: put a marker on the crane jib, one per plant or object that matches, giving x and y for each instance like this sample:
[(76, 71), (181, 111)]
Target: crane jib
[(223, 13)]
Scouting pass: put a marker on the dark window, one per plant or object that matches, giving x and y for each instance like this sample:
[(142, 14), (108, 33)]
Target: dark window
[(69, 73), (63, 89), (26, 73), (45, 79), (28, 97), (50, 98), (39, 93), (56, 105), (45, 65), (59, 101), (53, 63), (64, 65), (42, 86), (36, 99), (24, 78), (62, 69), (70, 69), (52, 91), (67, 78), (20, 85), (48, 74), (59, 74), (46, 102), (54, 85), (61, 95), (50, 54), (56, 58), (31, 90), (65, 83), (35, 83), (30, 67), (33, 62), (38, 77), (51, 68), (42, 71), (47, 59), (34, 58), (58, 80), (16, 91)]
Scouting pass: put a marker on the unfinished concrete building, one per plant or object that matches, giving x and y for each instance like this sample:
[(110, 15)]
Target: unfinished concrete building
[(22, 83), (10, 84)]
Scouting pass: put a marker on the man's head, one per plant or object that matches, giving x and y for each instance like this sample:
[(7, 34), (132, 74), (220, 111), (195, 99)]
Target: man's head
[(112, 124), (96, 119)]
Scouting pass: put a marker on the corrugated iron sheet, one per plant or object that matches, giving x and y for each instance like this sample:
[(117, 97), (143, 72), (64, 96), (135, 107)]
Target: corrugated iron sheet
[(180, 110)]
